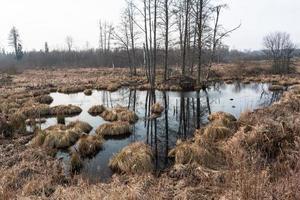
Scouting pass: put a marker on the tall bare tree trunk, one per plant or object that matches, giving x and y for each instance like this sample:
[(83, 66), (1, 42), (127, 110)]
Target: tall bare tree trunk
[(200, 33), (166, 39), (185, 37), (155, 42)]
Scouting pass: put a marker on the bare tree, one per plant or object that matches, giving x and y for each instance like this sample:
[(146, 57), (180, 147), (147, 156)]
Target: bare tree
[(15, 42), (122, 36), (130, 16), (166, 24), (46, 47), (218, 33), (106, 30), (279, 48), (69, 42)]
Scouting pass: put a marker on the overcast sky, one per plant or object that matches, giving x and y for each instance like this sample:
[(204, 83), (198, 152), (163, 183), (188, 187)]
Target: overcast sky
[(52, 20)]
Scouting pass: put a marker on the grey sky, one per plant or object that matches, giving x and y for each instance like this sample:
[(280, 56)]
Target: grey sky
[(52, 20)]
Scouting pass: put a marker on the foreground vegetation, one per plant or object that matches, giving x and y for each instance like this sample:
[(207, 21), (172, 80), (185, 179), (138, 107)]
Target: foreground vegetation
[(253, 157)]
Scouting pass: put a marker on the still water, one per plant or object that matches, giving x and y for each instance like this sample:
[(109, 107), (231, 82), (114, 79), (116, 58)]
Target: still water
[(184, 112)]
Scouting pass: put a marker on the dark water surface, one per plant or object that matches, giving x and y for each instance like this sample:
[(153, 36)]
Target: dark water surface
[(184, 112)]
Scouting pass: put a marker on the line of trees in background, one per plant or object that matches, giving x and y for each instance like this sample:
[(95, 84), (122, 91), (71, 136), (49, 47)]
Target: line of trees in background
[(186, 34)]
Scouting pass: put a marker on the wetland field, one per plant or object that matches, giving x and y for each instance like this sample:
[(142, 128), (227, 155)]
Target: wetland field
[(109, 136)]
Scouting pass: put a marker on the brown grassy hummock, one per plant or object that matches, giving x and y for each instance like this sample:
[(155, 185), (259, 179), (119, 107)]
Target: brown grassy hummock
[(57, 137), (45, 99), (113, 87), (109, 115), (35, 110), (136, 158), (61, 139), (69, 110), (88, 92), (71, 89), (276, 88), (89, 145), (82, 126), (119, 114), (126, 115), (96, 110), (157, 109), (114, 129)]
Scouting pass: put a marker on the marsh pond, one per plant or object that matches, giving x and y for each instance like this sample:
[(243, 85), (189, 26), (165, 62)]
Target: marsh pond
[(183, 113)]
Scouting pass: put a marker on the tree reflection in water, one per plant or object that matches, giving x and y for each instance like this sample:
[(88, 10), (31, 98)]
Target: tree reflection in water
[(183, 113)]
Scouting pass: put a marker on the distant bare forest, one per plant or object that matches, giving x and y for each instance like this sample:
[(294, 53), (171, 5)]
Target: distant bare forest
[(112, 58)]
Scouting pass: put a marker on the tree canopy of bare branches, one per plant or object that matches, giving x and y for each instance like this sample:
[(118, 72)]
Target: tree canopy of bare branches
[(69, 42), (280, 48)]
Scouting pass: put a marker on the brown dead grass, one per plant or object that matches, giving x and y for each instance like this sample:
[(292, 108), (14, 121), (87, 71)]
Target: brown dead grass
[(71, 89), (96, 110), (136, 158), (45, 99), (82, 126), (66, 110), (114, 129), (88, 92), (119, 114), (276, 88), (258, 161), (89, 145), (157, 108)]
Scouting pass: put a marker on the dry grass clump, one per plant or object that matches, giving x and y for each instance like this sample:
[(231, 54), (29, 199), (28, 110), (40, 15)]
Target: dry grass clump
[(207, 148), (222, 119), (39, 139), (57, 137), (36, 110), (136, 158), (119, 114), (89, 145), (9, 107), (88, 92), (157, 109), (40, 92), (216, 133), (114, 129), (113, 87), (272, 138), (61, 139), (18, 122), (45, 99), (126, 115), (188, 153), (276, 88), (82, 126), (69, 110), (96, 110), (109, 115), (71, 89), (221, 116)]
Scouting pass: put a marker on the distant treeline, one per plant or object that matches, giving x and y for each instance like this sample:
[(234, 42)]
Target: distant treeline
[(113, 58), (84, 58)]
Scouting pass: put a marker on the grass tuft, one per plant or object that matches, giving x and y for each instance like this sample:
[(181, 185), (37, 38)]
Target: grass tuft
[(136, 158), (114, 129)]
